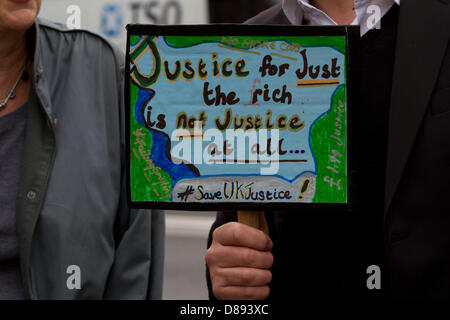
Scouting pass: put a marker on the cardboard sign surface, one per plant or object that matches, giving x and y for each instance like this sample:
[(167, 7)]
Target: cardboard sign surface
[(235, 116)]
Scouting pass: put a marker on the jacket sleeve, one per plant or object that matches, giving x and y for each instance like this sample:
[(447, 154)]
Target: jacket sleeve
[(137, 272)]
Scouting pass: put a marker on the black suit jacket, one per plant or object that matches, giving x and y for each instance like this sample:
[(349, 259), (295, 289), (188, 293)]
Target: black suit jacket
[(416, 222)]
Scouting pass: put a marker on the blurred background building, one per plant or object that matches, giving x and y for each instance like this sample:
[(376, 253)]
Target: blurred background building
[(109, 17), (186, 231)]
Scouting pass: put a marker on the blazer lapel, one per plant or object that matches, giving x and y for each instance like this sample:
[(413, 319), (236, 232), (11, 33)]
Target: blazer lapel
[(38, 158), (421, 42)]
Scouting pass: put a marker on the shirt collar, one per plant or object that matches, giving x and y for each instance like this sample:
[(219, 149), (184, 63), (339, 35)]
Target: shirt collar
[(299, 10)]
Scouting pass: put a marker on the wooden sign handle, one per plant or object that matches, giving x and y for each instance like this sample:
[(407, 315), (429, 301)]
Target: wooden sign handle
[(250, 218)]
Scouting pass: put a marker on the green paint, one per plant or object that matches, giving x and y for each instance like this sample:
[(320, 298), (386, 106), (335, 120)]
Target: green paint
[(134, 39), (338, 42), (325, 149), (142, 189), (147, 43)]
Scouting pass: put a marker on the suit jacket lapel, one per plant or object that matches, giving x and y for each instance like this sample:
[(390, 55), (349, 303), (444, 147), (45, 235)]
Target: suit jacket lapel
[(421, 42)]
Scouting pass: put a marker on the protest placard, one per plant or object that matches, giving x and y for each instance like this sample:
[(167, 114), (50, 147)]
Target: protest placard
[(235, 116)]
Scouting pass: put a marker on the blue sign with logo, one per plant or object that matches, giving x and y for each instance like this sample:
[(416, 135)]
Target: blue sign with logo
[(112, 20)]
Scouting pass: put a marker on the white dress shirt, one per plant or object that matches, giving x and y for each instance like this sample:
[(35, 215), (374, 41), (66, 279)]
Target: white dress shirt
[(368, 13)]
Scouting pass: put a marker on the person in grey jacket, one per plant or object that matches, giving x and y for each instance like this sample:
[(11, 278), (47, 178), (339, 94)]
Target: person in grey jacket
[(65, 229)]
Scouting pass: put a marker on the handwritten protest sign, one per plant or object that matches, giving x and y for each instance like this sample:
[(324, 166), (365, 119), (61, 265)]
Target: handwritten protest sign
[(238, 116)]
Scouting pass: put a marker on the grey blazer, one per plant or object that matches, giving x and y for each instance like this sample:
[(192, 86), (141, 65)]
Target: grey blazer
[(72, 207)]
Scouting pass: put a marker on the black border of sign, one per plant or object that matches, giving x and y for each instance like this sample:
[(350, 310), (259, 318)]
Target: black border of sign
[(352, 34)]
